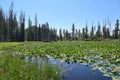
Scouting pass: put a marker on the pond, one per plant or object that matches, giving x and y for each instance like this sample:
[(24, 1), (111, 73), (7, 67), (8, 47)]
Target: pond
[(73, 71)]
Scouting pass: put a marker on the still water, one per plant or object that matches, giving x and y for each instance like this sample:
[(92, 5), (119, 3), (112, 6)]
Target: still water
[(73, 71), (79, 72)]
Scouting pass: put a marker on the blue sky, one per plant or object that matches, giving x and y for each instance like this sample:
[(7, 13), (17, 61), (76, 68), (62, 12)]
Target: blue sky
[(62, 13)]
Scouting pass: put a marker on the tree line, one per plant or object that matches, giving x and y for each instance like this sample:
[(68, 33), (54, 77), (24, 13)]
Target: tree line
[(12, 29)]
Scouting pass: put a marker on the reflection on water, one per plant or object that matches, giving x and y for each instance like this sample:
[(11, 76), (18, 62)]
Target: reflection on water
[(72, 71)]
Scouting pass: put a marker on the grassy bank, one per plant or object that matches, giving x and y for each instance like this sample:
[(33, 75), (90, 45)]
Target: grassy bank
[(12, 67)]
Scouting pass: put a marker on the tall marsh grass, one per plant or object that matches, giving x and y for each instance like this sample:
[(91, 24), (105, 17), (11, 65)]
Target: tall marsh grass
[(15, 68)]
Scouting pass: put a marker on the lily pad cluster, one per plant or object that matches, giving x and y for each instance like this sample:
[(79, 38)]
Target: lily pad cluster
[(102, 55)]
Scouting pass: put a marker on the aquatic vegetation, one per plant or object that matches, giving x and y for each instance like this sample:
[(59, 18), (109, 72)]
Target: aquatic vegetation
[(15, 67), (102, 55)]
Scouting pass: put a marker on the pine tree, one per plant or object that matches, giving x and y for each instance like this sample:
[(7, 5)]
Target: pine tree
[(117, 29), (4, 31), (73, 31), (64, 34), (35, 29), (1, 24), (39, 33), (60, 34), (47, 32), (86, 32), (68, 35), (30, 32), (92, 33), (83, 33), (104, 32), (22, 26), (108, 33), (43, 32), (11, 23), (79, 34), (15, 31), (76, 34), (98, 33)]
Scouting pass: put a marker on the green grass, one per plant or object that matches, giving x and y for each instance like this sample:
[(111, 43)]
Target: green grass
[(8, 44), (13, 67)]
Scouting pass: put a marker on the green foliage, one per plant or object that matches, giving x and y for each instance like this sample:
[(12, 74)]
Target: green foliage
[(4, 45), (13, 68), (103, 55)]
